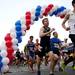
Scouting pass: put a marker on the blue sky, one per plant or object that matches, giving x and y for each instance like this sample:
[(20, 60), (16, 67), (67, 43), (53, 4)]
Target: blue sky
[(13, 10)]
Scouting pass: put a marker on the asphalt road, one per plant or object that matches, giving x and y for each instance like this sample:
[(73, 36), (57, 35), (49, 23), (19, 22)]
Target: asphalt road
[(22, 70)]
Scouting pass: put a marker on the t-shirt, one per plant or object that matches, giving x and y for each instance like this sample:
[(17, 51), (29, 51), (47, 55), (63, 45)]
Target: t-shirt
[(71, 22), (54, 43)]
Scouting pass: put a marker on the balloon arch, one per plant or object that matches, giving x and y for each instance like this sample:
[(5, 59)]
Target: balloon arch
[(14, 37)]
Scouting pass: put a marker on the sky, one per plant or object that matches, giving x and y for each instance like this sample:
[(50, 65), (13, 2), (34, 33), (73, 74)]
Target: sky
[(13, 10)]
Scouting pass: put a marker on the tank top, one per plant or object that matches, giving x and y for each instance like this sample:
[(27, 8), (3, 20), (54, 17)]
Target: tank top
[(45, 39), (46, 29), (71, 22), (31, 46)]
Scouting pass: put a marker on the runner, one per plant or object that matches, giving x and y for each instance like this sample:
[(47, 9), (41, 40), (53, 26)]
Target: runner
[(18, 57), (70, 17), (30, 47), (55, 47), (45, 33)]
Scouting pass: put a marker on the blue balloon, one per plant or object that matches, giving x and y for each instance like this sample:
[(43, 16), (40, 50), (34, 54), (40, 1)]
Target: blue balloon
[(0, 58), (18, 28), (1, 64), (19, 40), (56, 11), (38, 8), (51, 14), (37, 13), (36, 19), (59, 10), (19, 33), (18, 22)]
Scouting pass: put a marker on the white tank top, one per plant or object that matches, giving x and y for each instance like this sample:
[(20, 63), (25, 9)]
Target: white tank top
[(71, 22)]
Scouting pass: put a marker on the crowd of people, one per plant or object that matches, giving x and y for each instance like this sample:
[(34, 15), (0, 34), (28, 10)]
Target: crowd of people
[(50, 49)]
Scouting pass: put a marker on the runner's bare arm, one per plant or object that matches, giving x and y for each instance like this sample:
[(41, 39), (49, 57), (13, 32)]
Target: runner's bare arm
[(64, 21)]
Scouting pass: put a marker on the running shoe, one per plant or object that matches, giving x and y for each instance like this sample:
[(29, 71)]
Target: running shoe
[(73, 67), (60, 69), (51, 74), (38, 73)]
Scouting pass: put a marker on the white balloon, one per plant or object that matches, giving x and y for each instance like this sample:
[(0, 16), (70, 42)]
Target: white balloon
[(33, 18), (14, 41), (32, 22), (24, 27), (43, 9), (5, 61), (15, 47), (41, 15), (3, 53), (5, 68), (3, 46), (14, 53), (13, 34), (12, 30), (23, 33), (33, 15), (22, 19)]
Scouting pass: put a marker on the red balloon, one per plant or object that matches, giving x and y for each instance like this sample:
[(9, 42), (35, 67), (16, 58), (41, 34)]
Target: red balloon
[(10, 54), (62, 16), (11, 57), (8, 34), (8, 44), (8, 37), (47, 10), (45, 13), (28, 17), (28, 13), (28, 22), (50, 7), (10, 50), (28, 27)]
